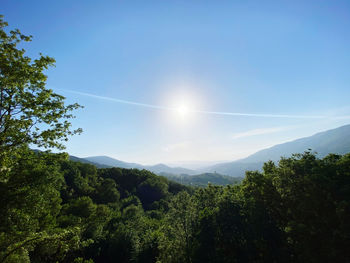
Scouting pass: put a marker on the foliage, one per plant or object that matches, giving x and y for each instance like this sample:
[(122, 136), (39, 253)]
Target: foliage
[(58, 210), (30, 182), (30, 113), (291, 212), (29, 204)]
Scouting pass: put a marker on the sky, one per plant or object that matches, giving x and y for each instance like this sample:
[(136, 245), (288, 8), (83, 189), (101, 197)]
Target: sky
[(163, 81)]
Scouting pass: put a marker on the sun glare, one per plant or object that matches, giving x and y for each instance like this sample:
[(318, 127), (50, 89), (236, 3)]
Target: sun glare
[(183, 107), (182, 110)]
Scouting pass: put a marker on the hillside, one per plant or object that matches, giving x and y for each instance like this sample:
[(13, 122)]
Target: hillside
[(111, 162), (82, 160), (331, 141), (234, 169), (158, 168)]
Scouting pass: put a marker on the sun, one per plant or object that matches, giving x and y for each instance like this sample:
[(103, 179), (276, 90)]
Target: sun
[(182, 110)]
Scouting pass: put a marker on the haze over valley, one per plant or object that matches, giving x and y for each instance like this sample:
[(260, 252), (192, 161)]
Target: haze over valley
[(336, 141)]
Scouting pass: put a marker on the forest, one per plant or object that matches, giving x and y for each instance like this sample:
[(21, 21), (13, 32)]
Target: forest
[(56, 210)]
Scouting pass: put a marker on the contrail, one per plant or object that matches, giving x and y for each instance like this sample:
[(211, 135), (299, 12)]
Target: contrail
[(262, 115), (152, 106), (118, 100)]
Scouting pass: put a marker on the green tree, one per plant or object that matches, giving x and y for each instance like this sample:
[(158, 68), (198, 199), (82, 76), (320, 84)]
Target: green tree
[(107, 192), (29, 204), (151, 190), (176, 241), (30, 113)]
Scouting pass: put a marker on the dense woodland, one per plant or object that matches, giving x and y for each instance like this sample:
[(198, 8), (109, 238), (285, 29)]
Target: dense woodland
[(56, 210)]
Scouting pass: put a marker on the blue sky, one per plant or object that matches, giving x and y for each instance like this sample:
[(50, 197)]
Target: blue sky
[(255, 57)]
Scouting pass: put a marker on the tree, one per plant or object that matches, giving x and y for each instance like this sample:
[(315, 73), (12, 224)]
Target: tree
[(29, 204), (176, 241), (30, 113)]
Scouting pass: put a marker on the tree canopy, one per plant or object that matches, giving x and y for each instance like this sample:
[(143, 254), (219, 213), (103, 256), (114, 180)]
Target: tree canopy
[(30, 113)]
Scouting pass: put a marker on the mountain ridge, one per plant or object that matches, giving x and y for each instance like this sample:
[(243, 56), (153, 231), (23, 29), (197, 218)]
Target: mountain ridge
[(157, 168), (330, 141)]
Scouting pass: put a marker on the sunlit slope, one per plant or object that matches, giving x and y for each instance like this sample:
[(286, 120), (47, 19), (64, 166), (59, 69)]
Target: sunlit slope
[(331, 141)]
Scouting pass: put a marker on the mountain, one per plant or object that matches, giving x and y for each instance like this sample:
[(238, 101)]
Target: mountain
[(331, 141), (235, 169), (82, 160), (111, 162), (203, 179), (158, 168)]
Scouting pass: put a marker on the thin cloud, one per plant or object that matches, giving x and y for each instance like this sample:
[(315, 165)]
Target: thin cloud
[(263, 115), (256, 132), (118, 100), (222, 113)]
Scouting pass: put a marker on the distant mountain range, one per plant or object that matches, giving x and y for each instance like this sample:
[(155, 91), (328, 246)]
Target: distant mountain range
[(331, 141), (158, 168)]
